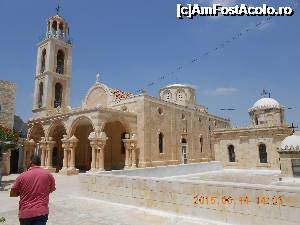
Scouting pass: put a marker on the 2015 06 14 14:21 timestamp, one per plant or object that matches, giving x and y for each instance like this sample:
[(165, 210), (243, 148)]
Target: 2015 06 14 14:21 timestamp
[(242, 200)]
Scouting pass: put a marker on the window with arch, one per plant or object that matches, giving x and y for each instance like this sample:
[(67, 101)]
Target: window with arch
[(41, 94), (54, 26), (201, 143), (60, 59), (43, 61), (183, 141), (231, 153), (161, 144), (58, 95), (61, 27), (263, 155)]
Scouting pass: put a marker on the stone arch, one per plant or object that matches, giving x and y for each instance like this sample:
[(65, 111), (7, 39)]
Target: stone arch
[(81, 129), (36, 133), (56, 131), (98, 95), (114, 151)]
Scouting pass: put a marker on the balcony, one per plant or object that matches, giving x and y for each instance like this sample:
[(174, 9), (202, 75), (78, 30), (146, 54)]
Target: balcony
[(57, 35)]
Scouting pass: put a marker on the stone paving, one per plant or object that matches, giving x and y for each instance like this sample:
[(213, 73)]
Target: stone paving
[(69, 207)]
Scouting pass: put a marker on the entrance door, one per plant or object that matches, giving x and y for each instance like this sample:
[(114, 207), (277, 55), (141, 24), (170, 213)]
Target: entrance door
[(296, 167), (184, 153)]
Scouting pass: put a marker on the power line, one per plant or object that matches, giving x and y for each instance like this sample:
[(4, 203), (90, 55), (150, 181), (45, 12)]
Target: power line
[(234, 38)]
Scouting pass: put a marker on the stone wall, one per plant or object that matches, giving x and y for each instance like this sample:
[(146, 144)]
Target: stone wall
[(175, 122), (178, 196), (7, 103), (246, 143)]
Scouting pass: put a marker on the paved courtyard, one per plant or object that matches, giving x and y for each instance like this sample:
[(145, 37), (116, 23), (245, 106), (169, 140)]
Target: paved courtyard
[(69, 207)]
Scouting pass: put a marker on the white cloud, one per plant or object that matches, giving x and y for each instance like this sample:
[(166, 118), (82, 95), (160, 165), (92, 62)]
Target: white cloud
[(221, 91)]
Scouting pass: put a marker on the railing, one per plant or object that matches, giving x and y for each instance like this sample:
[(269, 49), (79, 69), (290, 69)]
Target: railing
[(58, 35)]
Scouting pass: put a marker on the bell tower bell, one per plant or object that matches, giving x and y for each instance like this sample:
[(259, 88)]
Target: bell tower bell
[(53, 69)]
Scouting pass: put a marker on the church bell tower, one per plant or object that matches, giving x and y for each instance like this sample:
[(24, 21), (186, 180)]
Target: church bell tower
[(53, 69)]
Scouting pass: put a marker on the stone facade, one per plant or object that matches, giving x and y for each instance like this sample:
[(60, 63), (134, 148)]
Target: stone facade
[(139, 130), (7, 103), (255, 146)]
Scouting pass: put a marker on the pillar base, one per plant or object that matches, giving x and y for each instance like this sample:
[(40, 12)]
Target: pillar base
[(95, 170), (50, 169), (69, 171)]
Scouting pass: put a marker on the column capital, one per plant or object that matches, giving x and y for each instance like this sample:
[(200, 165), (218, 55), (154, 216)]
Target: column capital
[(97, 141)]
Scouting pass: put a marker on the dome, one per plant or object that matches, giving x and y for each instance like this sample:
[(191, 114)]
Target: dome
[(290, 142), (180, 85), (266, 103)]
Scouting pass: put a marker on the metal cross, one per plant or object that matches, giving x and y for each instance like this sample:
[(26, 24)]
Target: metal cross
[(293, 127), (58, 9)]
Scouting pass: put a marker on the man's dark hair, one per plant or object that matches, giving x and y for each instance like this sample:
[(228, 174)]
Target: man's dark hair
[(35, 159)]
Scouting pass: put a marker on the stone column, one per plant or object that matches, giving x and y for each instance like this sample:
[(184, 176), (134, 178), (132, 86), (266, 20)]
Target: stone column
[(131, 152), (97, 143), (65, 146), (71, 158), (26, 150), (49, 149), (6, 162), (32, 146), (43, 147)]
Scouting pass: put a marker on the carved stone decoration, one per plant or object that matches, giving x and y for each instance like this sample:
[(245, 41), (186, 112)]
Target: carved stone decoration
[(97, 143), (69, 146), (131, 156)]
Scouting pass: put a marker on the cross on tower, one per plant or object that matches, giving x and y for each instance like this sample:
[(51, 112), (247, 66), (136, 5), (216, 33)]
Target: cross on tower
[(58, 9), (293, 127), (265, 93)]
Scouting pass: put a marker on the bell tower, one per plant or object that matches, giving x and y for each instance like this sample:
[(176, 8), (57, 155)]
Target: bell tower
[(53, 69)]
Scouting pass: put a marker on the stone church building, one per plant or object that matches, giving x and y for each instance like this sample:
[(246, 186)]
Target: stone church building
[(255, 146), (112, 129)]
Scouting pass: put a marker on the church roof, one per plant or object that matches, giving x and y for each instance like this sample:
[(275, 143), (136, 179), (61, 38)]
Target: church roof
[(266, 103), (291, 143), (118, 94)]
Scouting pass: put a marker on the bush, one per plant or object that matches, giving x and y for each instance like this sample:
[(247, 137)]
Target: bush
[(7, 134)]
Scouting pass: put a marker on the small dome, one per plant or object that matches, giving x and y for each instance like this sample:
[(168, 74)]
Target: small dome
[(266, 103), (290, 143), (180, 85)]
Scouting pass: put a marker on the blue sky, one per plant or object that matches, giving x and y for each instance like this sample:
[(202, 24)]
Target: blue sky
[(131, 43)]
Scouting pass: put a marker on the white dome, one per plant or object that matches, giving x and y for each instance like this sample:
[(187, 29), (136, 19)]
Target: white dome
[(180, 85), (266, 103), (291, 142)]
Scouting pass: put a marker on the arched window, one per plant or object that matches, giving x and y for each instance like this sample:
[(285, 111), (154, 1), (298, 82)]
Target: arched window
[(54, 25), (43, 61), (60, 62), (58, 95), (61, 27), (161, 143), (263, 156), (183, 141), (41, 93), (201, 143), (231, 153)]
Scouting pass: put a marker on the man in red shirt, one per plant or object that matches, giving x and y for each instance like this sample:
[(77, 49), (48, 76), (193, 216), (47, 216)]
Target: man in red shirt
[(33, 187)]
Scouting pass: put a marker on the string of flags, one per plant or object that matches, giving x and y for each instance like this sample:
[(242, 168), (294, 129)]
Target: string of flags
[(222, 45)]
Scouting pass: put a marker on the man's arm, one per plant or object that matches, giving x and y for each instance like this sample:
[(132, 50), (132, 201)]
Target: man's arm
[(15, 190), (14, 193), (52, 184)]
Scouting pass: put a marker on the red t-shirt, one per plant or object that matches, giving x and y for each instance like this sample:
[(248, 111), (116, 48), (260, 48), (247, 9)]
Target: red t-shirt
[(34, 188)]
